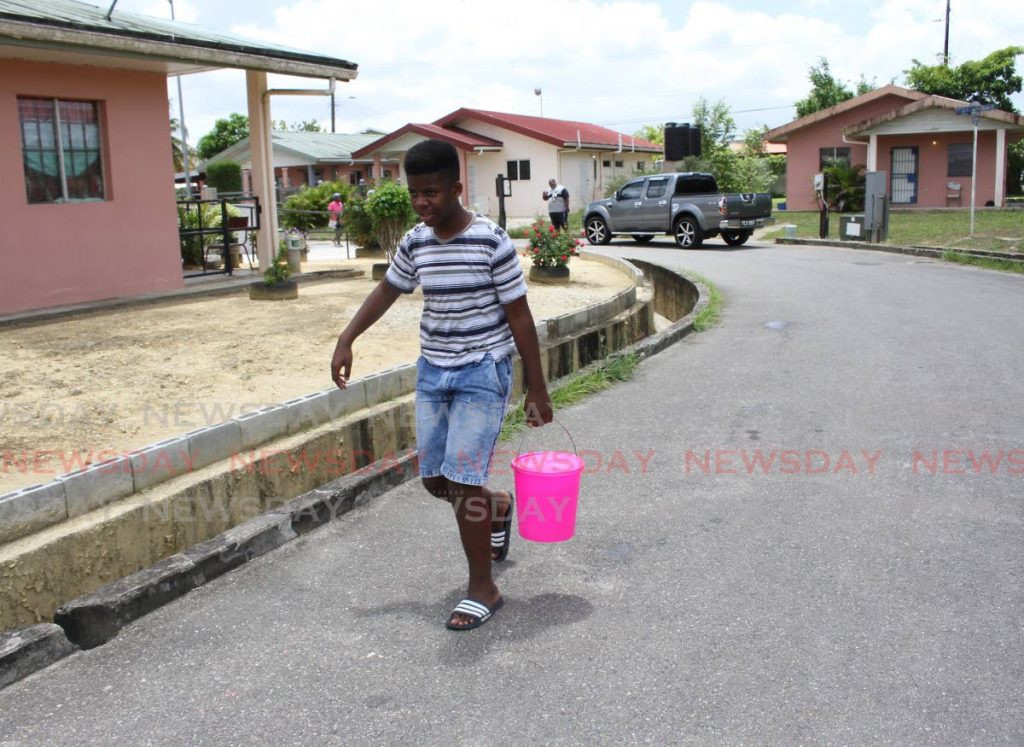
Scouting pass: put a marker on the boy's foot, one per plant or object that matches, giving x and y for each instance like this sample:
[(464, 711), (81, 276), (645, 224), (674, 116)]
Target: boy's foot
[(465, 617), (500, 523)]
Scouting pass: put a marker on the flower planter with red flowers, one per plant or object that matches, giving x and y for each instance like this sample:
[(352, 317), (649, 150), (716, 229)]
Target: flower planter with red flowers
[(551, 251)]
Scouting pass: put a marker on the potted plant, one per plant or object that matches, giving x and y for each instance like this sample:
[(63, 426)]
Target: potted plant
[(391, 215), (551, 251), (277, 284)]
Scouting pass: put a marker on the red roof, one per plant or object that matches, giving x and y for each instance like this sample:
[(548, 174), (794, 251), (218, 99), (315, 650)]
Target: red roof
[(563, 133), (560, 132), (456, 136)]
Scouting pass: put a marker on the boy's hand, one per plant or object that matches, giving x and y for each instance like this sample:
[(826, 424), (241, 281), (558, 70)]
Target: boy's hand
[(538, 408), (341, 363)]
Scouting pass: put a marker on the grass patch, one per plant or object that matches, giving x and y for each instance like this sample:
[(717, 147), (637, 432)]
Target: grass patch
[(994, 230), (614, 369), (1004, 265), (712, 312)]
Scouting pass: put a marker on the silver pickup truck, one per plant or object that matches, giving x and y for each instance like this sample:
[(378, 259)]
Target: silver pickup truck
[(688, 206)]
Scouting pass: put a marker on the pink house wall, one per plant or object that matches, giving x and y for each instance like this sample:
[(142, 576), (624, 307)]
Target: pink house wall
[(933, 162), (803, 147), (57, 254)]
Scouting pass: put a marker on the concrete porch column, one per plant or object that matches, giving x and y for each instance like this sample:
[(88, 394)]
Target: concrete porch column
[(262, 164), (872, 164), (1000, 191), (464, 177)]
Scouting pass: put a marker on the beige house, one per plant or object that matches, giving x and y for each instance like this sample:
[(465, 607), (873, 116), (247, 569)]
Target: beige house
[(526, 150)]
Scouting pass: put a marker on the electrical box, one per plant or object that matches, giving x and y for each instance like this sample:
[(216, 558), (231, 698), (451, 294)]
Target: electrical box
[(851, 228)]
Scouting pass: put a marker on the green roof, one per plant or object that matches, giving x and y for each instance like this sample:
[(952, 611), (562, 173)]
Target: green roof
[(326, 147), (92, 24)]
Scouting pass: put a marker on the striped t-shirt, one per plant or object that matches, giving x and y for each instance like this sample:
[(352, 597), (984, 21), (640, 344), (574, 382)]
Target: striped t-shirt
[(465, 281)]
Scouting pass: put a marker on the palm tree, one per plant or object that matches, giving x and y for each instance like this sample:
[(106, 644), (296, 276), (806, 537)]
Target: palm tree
[(845, 186), (177, 149)]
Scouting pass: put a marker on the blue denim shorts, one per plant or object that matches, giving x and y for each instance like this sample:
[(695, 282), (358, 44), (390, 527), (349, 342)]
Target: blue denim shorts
[(459, 412)]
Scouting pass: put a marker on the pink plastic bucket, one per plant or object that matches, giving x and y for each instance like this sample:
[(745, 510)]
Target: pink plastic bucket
[(547, 494)]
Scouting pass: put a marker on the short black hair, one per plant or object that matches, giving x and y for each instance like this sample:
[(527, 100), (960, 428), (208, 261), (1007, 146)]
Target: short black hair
[(433, 157)]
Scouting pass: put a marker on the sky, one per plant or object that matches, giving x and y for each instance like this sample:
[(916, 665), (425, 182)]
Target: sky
[(617, 63)]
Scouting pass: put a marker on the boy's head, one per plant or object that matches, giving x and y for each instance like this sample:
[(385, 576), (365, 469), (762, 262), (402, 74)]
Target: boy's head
[(433, 157), (432, 167)]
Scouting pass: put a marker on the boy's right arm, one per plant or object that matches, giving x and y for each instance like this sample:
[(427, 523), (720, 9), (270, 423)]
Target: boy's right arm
[(379, 301)]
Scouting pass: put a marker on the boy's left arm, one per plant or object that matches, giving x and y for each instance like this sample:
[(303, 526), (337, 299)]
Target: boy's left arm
[(524, 332)]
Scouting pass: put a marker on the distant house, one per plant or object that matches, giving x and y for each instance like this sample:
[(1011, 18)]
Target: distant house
[(302, 158), (526, 150), (87, 176), (920, 141)]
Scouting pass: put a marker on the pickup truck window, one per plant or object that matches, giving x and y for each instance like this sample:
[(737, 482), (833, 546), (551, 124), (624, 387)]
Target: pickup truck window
[(696, 184), (656, 186), (632, 191)]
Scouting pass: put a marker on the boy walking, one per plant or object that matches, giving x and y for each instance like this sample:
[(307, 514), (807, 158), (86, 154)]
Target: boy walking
[(475, 314)]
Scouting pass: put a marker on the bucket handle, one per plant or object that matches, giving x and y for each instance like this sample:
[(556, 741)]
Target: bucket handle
[(519, 446)]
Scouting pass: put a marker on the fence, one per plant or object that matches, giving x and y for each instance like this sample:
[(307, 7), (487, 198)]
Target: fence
[(208, 231)]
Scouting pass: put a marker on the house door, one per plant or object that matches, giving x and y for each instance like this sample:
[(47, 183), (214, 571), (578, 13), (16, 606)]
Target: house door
[(904, 176)]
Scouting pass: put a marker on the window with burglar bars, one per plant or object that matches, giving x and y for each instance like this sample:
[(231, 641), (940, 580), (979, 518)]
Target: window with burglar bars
[(61, 148), (517, 170), (959, 160), (828, 156)]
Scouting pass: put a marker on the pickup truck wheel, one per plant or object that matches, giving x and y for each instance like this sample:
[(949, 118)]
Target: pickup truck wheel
[(597, 231), (735, 238), (642, 238), (687, 233)]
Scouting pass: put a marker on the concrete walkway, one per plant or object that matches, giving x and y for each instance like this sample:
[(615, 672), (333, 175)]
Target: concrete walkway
[(788, 534)]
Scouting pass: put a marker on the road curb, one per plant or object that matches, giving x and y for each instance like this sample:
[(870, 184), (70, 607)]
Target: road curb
[(916, 251), (30, 648)]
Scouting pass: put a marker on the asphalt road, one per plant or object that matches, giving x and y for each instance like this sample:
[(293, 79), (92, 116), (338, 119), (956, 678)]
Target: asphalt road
[(789, 533)]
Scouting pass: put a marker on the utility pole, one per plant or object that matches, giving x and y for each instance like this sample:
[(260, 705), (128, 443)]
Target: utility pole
[(184, 133), (945, 47)]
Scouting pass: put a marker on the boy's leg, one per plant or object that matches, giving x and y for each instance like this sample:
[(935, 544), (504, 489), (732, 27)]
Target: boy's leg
[(499, 501)]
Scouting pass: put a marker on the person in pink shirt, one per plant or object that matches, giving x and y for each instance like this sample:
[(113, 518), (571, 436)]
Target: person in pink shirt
[(334, 209)]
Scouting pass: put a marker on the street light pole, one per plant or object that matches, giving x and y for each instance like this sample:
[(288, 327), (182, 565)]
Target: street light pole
[(945, 48), (184, 133)]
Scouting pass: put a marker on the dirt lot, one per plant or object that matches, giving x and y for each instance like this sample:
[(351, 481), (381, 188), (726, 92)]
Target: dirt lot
[(86, 388)]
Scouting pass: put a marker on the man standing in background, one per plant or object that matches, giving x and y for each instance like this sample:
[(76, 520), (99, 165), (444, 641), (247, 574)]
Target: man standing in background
[(558, 204)]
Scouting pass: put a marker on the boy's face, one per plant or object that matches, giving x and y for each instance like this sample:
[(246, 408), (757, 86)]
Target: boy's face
[(434, 198)]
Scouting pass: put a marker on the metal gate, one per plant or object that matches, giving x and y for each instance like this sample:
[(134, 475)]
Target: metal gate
[(904, 176)]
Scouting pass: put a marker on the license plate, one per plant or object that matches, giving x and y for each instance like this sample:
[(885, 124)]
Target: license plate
[(748, 222)]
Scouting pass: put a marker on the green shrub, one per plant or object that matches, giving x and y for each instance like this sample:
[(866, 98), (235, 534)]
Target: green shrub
[(308, 208), (358, 224), (391, 214), (224, 176), (279, 269)]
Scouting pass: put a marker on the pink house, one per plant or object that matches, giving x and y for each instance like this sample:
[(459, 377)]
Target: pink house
[(86, 175), (920, 141)]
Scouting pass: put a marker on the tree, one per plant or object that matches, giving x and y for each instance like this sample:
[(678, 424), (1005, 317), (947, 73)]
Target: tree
[(225, 133), (753, 141), (991, 80), (717, 126), (827, 91), (391, 213), (655, 133), (177, 148), (301, 126)]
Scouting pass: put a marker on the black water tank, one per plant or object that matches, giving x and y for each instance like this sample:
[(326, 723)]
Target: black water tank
[(681, 141)]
